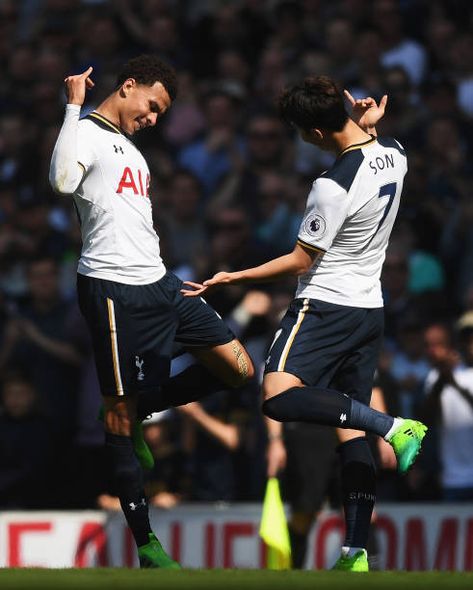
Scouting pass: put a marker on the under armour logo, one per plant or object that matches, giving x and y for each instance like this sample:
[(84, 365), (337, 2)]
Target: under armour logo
[(118, 148), (139, 363), (343, 418), (134, 506)]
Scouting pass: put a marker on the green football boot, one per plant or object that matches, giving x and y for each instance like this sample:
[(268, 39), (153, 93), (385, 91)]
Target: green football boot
[(356, 563), (406, 442), (152, 555), (142, 451)]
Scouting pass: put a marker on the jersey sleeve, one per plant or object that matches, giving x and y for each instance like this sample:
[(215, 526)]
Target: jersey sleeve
[(326, 211), (85, 152), (72, 155)]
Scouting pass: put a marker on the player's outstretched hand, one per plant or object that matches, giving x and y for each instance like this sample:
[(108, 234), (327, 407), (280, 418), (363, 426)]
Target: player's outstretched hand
[(221, 278), (365, 111), (76, 86), (196, 289)]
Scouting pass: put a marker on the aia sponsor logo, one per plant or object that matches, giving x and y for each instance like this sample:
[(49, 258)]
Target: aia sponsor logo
[(135, 181)]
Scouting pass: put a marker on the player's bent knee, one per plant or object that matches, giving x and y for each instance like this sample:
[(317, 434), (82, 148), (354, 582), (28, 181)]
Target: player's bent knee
[(281, 407), (272, 410)]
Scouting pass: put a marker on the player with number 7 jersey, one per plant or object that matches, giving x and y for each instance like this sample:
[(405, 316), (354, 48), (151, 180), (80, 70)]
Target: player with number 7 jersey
[(349, 216), (322, 361)]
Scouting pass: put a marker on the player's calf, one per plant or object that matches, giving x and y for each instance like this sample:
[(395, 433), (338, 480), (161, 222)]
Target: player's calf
[(127, 477)]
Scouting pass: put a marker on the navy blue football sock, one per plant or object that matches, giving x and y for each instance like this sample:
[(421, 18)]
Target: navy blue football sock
[(192, 384), (365, 418), (325, 406), (128, 483), (358, 490)]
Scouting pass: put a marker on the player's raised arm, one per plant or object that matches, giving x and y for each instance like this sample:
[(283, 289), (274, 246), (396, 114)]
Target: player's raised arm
[(366, 112), (65, 172)]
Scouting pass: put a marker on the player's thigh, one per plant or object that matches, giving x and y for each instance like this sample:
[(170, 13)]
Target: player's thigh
[(309, 344), (230, 362), (132, 329), (278, 381), (202, 332), (355, 375)]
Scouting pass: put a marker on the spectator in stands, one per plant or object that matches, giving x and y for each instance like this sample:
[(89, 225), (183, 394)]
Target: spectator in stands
[(37, 339), (409, 367), (221, 148), (398, 48), (26, 448), (183, 220), (448, 406)]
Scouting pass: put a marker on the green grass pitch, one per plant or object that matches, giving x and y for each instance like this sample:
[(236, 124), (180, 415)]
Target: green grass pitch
[(118, 579)]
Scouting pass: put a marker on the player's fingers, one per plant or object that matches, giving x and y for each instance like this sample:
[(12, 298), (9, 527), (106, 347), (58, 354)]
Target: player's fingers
[(349, 97), (195, 293), (193, 285), (383, 102), (89, 83), (87, 72)]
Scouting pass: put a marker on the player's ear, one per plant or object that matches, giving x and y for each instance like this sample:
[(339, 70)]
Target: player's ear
[(128, 85), (317, 134)]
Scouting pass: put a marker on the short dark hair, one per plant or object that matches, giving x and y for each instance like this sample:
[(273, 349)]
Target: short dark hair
[(148, 69), (314, 103)]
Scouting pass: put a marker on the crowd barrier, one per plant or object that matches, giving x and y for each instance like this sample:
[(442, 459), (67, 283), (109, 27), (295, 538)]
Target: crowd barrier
[(410, 536)]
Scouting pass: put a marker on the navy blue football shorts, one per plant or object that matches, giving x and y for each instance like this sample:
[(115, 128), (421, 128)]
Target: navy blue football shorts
[(135, 329), (329, 346)]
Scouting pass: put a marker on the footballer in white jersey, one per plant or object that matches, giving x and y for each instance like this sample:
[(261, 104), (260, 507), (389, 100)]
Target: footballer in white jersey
[(321, 364), (119, 242), (349, 216), (134, 308)]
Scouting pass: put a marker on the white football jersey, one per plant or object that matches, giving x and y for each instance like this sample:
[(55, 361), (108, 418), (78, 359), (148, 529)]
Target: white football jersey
[(349, 216), (119, 242)]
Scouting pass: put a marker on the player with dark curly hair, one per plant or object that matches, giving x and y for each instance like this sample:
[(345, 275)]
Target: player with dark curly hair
[(133, 306), (145, 70), (322, 361)]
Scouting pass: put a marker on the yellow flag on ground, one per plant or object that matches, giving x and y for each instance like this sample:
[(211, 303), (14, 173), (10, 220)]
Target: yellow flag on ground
[(273, 528)]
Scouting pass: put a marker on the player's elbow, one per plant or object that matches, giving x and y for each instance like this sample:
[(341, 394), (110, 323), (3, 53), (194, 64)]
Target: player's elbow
[(302, 269), (62, 181), (301, 261), (302, 265)]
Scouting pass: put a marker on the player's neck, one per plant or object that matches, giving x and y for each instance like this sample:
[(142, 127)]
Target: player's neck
[(349, 136), (109, 110)]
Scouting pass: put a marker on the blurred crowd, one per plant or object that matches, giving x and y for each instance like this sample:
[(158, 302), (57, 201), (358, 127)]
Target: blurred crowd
[(229, 184)]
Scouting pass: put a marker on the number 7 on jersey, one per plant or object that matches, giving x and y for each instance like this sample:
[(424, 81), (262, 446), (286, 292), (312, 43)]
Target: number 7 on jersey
[(387, 190)]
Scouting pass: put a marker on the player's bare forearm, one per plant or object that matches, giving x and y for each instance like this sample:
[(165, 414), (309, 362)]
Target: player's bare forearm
[(287, 265), (296, 263)]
